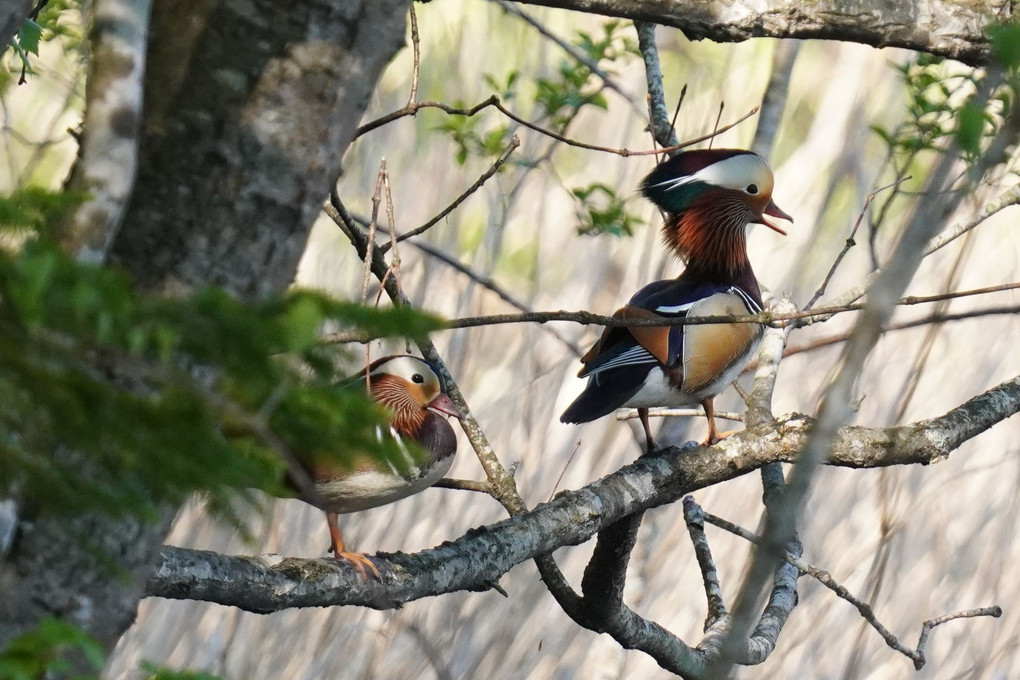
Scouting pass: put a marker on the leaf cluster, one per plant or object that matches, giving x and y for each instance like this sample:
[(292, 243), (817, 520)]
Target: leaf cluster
[(115, 401), (575, 85), (47, 651), (942, 105), (602, 211), (48, 25), (44, 651)]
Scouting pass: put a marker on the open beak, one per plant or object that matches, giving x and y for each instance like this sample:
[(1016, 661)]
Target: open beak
[(775, 211), (443, 404)]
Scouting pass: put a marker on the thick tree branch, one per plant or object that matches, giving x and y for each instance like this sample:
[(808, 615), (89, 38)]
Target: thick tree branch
[(472, 562), (948, 28)]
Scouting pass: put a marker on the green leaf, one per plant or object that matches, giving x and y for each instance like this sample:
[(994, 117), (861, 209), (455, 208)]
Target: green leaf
[(1005, 39), (43, 651), (29, 35), (970, 128)]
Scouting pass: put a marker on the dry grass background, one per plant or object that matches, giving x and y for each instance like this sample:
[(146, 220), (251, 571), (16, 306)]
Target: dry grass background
[(923, 541)]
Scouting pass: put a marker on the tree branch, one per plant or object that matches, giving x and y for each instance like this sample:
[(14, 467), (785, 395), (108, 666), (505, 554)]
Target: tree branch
[(472, 562), (825, 578), (922, 25)]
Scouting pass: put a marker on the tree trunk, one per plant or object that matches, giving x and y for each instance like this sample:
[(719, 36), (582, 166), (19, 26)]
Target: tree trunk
[(248, 110)]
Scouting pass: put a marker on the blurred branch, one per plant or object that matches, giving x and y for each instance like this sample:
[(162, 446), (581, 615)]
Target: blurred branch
[(271, 583), (836, 409), (108, 156), (867, 613), (919, 26), (774, 102), (938, 317)]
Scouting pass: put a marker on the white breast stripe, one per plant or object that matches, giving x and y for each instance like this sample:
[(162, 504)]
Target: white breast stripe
[(675, 309), (749, 302)]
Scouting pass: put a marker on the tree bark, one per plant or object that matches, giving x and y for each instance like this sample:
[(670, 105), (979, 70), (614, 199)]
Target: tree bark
[(948, 28), (12, 14), (249, 107)]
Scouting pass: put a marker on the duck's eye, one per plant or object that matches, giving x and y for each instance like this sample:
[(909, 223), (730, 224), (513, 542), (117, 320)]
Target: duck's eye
[(417, 378), (752, 188)]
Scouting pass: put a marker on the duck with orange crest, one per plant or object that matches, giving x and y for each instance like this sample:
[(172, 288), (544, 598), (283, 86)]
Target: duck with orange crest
[(414, 395), (709, 197)]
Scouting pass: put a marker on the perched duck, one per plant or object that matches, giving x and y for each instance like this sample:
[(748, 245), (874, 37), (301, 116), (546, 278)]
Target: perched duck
[(709, 197), (415, 394)]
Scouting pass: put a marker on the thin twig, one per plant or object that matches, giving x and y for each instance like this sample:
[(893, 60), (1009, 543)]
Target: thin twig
[(465, 485), (370, 240), (416, 46), (494, 102), (630, 414), (938, 317), (514, 143), (850, 242), (718, 117), (772, 319)]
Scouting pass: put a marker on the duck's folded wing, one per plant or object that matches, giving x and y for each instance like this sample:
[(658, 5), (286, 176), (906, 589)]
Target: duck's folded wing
[(709, 349)]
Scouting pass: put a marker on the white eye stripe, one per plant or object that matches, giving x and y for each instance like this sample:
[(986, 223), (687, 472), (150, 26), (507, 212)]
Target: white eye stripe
[(736, 172), (406, 367)]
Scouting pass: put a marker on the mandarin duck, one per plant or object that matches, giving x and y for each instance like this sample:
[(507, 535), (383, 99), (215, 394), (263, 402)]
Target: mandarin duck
[(709, 198), (415, 395)]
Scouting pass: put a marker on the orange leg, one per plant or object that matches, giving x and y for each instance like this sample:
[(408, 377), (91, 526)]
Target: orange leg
[(713, 434), (643, 416), (358, 560)]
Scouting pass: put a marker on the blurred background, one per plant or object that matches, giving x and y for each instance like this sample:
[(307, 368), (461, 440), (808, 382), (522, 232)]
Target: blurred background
[(916, 542)]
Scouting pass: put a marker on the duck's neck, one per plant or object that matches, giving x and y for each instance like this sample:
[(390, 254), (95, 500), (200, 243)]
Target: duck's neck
[(716, 253)]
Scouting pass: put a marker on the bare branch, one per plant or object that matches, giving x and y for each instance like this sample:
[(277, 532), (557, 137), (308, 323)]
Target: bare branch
[(694, 516), (917, 26), (867, 613), (273, 583), (938, 317), (630, 414), (663, 131), (494, 102)]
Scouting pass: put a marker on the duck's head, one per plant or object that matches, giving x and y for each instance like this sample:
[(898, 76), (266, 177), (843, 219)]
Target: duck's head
[(710, 196), (410, 387)]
